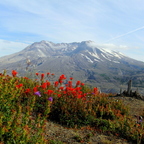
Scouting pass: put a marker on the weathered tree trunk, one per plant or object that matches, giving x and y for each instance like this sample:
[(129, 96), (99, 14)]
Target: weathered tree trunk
[(129, 87)]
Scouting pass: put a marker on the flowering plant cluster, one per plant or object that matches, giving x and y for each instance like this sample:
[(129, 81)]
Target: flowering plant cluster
[(26, 105)]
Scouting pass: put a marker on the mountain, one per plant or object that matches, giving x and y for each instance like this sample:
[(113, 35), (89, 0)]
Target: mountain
[(83, 61)]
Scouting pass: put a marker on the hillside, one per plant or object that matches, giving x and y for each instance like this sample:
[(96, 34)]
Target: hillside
[(88, 135)]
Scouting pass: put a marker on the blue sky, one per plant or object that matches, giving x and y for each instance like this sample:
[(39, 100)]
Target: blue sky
[(111, 24)]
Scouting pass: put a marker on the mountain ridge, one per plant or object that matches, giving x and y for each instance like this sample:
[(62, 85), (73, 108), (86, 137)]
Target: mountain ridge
[(81, 60)]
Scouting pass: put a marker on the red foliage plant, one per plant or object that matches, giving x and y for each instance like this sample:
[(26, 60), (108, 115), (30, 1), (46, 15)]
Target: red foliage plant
[(14, 73)]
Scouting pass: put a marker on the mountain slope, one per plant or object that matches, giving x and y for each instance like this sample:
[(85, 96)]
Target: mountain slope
[(107, 69)]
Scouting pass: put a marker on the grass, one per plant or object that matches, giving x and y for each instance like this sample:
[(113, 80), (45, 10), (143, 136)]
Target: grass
[(41, 111)]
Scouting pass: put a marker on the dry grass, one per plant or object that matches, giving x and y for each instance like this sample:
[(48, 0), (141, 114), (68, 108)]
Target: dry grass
[(62, 135)]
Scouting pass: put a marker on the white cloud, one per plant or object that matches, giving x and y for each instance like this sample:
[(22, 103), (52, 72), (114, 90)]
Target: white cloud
[(10, 47), (110, 46), (50, 19)]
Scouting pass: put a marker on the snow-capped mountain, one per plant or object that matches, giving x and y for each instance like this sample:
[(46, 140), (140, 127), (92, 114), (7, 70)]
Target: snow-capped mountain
[(82, 60)]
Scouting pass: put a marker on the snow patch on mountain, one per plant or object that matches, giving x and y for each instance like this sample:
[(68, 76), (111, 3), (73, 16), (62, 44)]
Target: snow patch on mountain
[(116, 61), (107, 52), (41, 54), (117, 55), (94, 55), (96, 60), (105, 57), (89, 60)]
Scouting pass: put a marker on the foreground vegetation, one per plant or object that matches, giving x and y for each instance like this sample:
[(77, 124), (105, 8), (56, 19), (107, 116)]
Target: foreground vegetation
[(27, 105)]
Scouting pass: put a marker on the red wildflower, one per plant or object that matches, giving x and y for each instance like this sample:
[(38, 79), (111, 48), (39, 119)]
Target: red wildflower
[(95, 90), (20, 85), (35, 89), (37, 74), (74, 93), (84, 95), (48, 83), (62, 77), (66, 85), (14, 73), (59, 95), (56, 83), (42, 76), (25, 77), (60, 81), (44, 85), (27, 91), (82, 84), (48, 74), (52, 74), (78, 88), (64, 92), (78, 83), (79, 96), (49, 92), (61, 88), (70, 83), (71, 78), (67, 89)]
